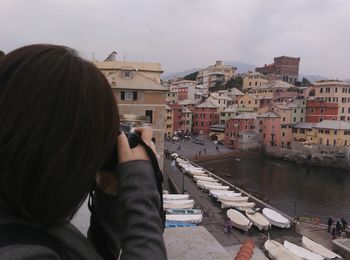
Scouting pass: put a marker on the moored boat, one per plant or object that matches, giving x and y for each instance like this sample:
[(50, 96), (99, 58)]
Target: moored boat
[(178, 204), (278, 252), (225, 198), (318, 249), (183, 211), (258, 219), (175, 196), (301, 252), (192, 218), (217, 193), (174, 224), (275, 218), (204, 178), (213, 186), (239, 220), (240, 205)]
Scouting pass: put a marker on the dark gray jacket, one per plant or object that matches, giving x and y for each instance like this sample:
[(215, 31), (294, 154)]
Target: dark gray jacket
[(129, 221)]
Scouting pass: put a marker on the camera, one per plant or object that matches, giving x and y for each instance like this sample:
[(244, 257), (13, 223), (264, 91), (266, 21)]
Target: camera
[(133, 139)]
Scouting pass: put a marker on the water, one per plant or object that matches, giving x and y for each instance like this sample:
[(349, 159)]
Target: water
[(310, 191)]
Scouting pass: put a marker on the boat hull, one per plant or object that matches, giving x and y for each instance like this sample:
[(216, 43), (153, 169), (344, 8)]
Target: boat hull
[(238, 220)]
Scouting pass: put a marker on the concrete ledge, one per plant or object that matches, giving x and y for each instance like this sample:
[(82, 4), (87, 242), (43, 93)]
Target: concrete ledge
[(193, 243)]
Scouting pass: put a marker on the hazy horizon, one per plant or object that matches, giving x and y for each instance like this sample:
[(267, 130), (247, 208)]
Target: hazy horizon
[(187, 34)]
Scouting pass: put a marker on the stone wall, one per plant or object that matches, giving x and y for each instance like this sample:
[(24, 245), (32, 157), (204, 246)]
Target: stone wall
[(318, 155)]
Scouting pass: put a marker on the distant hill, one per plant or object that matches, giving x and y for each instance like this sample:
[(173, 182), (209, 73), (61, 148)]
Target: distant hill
[(312, 78), (181, 74), (241, 66)]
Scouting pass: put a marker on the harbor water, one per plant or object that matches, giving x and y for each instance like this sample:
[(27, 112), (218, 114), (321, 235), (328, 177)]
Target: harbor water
[(297, 190)]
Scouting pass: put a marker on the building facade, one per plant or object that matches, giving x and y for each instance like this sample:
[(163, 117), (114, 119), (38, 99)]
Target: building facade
[(204, 115), (284, 66), (269, 129), (216, 75), (318, 110), (137, 90), (253, 79)]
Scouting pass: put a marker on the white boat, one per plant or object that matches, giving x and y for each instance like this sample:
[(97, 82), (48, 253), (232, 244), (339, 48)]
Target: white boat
[(183, 211), (318, 249), (178, 204), (258, 219), (239, 220), (204, 178), (301, 252), (278, 252), (174, 155), (192, 218), (216, 193), (240, 205), (213, 186), (225, 198), (175, 196), (275, 218)]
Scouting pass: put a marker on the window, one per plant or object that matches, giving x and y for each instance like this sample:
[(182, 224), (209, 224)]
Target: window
[(283, 119), (334, 142), (128, 95), (302, 111), (127, 74), (283, 134), (321, 119), (312, 110), (336, 90), (149, 114), (321, 110), (335, 132), (342, 110), (345, 142), (346, 132), (326, 131), (321, 90)]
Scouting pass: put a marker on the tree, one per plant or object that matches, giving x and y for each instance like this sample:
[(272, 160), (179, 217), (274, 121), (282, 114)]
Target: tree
[(2, 53), (192, 76), (236, 82)]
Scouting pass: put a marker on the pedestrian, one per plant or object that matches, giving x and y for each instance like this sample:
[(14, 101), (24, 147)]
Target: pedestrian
[(344, 223), (338, 227), (205, 150), (330, 223), (200, 153), (179, 147), (217, 148)]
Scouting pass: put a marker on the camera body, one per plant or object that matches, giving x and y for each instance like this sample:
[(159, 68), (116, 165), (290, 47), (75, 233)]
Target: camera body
[(133, 139)]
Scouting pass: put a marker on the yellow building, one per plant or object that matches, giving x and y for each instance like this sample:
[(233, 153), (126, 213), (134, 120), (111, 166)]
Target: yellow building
[(328, 132), (248, 101), (169, 128), (254, 79), (333, 133)]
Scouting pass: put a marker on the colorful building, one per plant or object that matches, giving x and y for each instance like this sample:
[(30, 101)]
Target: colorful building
[(269, 129), (253, 80), (240, 132), (216, 75), (335, 92), (284, 110), (248, 101), (333, 132), (318, 110), (169, 130), (204, 115)]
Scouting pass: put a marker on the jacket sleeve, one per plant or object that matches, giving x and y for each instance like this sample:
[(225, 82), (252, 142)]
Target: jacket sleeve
[(130, 221)]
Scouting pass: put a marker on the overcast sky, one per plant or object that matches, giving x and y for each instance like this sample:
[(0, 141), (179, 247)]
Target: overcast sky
[(183, 34)]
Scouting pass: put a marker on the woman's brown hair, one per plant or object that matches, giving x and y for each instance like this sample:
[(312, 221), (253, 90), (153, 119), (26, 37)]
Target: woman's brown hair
[(59, 122)]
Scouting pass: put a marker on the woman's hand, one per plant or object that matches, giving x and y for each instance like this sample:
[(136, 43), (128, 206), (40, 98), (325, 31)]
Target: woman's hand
[(106, 181)]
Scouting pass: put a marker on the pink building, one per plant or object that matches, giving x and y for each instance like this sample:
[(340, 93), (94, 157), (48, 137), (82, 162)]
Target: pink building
[(177, 109), (186, 121), (238, 129), (205, 115), (270, 129)]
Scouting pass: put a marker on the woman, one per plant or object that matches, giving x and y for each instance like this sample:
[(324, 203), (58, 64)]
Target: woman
[(59, 124)]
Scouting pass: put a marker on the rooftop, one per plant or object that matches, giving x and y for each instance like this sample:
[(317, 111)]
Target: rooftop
[(136, 65), (207, 104), (333, 124), (138, 81), (246, 116), (304, 125), (269, 114)]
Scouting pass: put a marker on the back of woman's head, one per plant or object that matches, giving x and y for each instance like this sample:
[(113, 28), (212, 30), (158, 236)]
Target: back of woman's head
[(58, 125)]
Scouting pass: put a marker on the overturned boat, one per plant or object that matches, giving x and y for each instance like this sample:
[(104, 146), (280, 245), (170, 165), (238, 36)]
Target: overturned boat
[(175, 196), (240, 205), (276, 218), (301, 252), (278, 252), (191, 218), (184, 211), (319, 249), (239, 220), (230, 193), (178, 204), (258, 219)]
